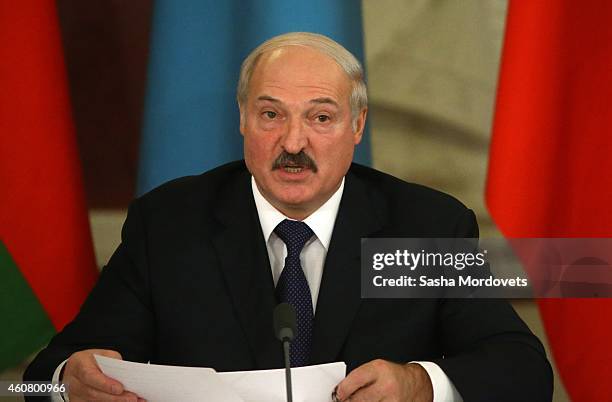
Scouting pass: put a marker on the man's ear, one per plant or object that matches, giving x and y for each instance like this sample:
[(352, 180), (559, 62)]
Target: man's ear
[(360, 125), (242, 109)]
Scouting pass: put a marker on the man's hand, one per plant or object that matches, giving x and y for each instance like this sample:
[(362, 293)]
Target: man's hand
[(87, 383), (380, 380)]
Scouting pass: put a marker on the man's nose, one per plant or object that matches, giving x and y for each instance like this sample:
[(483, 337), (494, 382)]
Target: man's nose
[(295, 138)]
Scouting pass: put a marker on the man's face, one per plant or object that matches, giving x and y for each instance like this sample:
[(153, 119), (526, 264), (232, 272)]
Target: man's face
[(296, 123)]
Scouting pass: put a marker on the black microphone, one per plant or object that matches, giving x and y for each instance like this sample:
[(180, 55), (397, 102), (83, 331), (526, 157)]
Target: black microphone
[(286, 330)]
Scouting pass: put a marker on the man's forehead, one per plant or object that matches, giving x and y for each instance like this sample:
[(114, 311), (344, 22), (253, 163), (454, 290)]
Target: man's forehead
[(297, 57), (314, 101), (299, 68), (275, 54)]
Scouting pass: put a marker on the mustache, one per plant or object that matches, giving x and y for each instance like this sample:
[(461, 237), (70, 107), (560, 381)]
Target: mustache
[(300, 159)]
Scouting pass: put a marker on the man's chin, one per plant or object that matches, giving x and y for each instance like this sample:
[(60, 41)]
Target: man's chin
[(296, 200)]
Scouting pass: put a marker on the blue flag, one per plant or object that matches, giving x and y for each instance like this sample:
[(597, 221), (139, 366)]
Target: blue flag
[(191, 119)]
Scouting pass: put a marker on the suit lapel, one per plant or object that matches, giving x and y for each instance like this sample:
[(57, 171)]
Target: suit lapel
[(244, 261), (340, 292)]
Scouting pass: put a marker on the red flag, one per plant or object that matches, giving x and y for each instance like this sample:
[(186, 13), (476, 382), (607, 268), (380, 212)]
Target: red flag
[(550, 168), (45, 242)]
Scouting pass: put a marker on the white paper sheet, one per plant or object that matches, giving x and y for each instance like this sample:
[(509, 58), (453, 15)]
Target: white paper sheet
[(310, 383), (157, 383)]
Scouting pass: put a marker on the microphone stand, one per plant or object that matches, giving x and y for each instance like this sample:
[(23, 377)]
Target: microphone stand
[(287, 370), (285, 329)]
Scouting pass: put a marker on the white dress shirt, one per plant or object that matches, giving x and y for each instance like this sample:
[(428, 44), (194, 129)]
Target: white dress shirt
[(312, 259)]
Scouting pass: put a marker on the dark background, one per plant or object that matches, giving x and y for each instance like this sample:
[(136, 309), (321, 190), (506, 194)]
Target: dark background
[(105, 47)]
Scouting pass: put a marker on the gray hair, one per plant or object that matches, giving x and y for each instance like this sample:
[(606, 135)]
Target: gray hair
[(325, 45)]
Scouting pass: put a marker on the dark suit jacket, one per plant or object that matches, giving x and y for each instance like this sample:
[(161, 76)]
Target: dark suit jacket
[(191, 285)]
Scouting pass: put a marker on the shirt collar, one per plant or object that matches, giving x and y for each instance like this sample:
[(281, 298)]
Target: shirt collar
[(320, 221)]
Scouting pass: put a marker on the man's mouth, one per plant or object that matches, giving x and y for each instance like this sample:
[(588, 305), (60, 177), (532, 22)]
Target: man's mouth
[(294, 163), (293, 168)]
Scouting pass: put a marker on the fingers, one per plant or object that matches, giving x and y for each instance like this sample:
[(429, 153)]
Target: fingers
[(82, 392), (361, 377), (380, 380), (87, 371), (365, 394), (86, 381), (113, 354)]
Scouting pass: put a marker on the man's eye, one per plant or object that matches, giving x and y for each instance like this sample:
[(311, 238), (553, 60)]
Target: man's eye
[(322, 118), (270, 114)]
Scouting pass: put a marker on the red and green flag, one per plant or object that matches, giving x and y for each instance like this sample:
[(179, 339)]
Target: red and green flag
[(47, 264), (550, 168)]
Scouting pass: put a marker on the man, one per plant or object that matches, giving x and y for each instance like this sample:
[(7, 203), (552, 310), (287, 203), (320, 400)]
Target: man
[(204, 260)]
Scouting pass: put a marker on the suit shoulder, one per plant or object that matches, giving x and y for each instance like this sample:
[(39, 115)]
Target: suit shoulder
[(396, 190), (200, 190), (414, 210)]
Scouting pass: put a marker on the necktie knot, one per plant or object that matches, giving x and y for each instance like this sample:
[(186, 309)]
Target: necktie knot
[(295, 234)]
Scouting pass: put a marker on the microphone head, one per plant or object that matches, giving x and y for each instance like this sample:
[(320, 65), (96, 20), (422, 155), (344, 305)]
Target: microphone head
[(285, 322)]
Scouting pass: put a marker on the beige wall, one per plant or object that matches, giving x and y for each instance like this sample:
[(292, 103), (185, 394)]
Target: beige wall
[(432, 72)]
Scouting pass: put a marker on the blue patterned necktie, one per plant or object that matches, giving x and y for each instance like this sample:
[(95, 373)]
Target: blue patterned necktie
[(292, 287)]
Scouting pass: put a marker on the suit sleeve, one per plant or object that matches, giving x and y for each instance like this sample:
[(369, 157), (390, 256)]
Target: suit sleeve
[(488, 349), (117, 314)]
